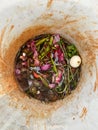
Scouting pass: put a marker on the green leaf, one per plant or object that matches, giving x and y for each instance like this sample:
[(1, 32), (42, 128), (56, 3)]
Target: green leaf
[(71, 50), (59, 89)]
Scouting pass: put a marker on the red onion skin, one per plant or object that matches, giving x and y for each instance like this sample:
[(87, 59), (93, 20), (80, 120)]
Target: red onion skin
[(33, 47), (56, 38), (52, 85), (59, 54), (57, 78), (45, 67), (17, 71), (35, 54), (36, 62)]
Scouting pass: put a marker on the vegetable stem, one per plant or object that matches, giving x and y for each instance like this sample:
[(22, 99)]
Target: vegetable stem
[(45, 52), (38, 76), (54, 66), (51, 40), (71, 72), (64, 51), (40, 42), (44, 81)]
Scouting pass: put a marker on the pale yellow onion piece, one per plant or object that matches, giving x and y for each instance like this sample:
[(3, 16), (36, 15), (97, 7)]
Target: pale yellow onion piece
[(75, 61)]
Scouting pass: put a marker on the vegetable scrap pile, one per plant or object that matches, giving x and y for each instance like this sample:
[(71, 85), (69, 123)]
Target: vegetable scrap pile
[(47, 67)]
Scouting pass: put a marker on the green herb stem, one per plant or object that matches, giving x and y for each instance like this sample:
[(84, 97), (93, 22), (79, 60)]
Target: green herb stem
[(71, 73), (51, 41), (54, 66), (40, 42), (44, 81), (43, 54)]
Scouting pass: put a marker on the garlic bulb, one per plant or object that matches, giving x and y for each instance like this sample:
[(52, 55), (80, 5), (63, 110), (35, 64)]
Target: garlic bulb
[(75, 61)]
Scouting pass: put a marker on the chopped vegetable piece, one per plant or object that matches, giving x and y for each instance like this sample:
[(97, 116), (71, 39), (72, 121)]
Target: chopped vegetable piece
[(36, 75)]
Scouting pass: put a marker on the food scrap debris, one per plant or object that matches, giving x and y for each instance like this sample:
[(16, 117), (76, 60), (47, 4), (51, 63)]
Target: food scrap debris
[(47, 67)]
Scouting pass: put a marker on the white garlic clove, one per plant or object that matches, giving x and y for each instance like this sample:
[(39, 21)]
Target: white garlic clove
[(75, 61)]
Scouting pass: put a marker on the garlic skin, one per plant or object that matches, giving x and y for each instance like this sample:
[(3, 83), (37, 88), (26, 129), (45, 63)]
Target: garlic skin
[(75, 61)]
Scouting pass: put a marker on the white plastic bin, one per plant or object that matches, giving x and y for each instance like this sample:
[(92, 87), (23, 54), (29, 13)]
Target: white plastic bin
[(77, 21)]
